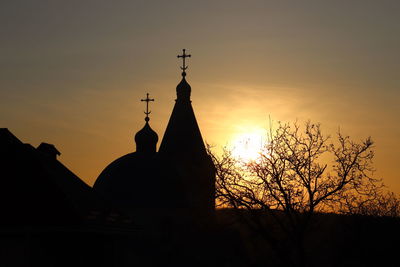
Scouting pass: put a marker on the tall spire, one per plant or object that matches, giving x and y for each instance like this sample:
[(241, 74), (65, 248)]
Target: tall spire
[(183, 134), (182, 149)]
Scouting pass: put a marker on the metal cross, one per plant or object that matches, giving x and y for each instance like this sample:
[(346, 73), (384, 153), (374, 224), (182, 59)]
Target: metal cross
[(184, 56), (147, 100)]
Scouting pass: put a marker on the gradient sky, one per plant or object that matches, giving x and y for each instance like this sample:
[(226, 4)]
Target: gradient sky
[(72, 73)]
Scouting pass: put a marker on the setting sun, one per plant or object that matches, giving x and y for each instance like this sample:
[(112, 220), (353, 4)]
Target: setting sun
[(247, 145)]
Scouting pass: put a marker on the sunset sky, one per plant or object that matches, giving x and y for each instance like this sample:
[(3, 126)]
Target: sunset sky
[(72, 73)]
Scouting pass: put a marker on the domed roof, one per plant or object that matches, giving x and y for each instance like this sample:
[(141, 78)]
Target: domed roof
[(126, 180), (139, 180), (146, 139)]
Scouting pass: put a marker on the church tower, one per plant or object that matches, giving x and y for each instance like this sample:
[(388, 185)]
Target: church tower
[(182, 148)]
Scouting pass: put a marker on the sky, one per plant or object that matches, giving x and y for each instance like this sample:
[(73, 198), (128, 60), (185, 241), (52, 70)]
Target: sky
[(72, 73)]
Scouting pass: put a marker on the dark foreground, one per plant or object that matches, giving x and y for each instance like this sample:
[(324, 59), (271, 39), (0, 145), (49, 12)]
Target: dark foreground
[(333, 241)]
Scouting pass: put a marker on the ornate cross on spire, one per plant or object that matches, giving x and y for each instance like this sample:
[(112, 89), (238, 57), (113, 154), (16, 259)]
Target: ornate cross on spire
[(147, 112), (184, 56)]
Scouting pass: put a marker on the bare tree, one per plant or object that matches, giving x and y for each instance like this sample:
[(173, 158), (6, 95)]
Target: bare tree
[(378, 204), (299, 172)]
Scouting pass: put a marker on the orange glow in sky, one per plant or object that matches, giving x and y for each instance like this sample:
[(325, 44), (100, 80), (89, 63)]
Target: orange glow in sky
[(72, 73)]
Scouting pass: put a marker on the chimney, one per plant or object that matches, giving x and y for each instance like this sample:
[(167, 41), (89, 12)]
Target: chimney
[(49, 150)]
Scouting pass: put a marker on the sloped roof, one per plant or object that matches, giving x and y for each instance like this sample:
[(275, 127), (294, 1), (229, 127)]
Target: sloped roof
[(38, 189), (7, 138)]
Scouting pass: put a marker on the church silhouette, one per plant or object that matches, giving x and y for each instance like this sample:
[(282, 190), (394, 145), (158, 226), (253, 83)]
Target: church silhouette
[(179, 178), (147, 208)]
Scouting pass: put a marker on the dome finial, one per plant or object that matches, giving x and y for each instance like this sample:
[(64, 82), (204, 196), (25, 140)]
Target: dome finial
[(184, 67), (146, 139), (147, 112)]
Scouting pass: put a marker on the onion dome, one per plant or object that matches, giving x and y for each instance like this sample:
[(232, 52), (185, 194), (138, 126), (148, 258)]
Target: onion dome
[(146, 139), (183, 89)]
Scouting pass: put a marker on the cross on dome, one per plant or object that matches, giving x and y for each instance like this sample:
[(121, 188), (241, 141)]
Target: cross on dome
[(184, 56), (147, 100)]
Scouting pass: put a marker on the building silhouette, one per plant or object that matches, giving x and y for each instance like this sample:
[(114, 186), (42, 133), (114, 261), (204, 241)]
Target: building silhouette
[(179, 179), (156, 208), (149, 206)]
